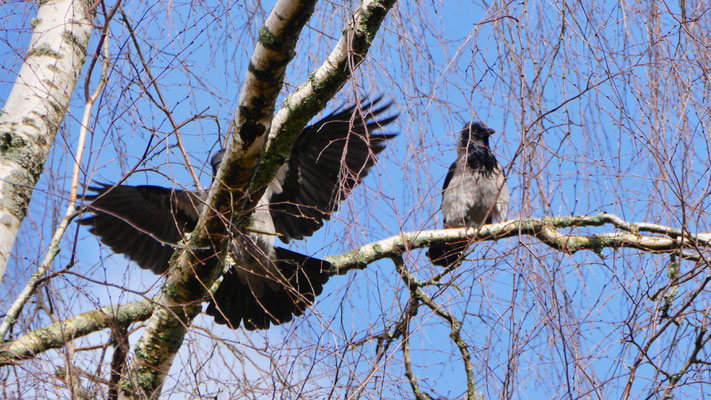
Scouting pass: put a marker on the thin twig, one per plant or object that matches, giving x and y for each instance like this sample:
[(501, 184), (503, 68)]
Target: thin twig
[(455, 326), (413, 286), (163, 105)]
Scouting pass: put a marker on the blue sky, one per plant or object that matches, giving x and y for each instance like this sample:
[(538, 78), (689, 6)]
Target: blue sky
[(594, 112)]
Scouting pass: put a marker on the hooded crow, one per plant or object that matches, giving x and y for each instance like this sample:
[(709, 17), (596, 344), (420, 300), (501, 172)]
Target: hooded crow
[(474, 191), (265, 284)]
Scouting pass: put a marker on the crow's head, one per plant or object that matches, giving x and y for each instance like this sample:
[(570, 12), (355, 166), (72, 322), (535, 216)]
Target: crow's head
[(475, 133)]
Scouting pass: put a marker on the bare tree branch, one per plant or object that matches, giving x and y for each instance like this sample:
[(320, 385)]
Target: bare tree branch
[(29, 345), (311, 97), (188, 280), (543, 229), (57, 334), (196, 267)]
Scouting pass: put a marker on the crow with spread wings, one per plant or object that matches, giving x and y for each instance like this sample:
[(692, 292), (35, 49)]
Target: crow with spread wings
[(267, 284)]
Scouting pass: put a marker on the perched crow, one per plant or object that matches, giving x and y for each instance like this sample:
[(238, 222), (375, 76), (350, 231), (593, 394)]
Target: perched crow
[(474, 191), (267, 284)]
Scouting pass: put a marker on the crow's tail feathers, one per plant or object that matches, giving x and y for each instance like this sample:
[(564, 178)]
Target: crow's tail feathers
[(447, 253), (290, 294)]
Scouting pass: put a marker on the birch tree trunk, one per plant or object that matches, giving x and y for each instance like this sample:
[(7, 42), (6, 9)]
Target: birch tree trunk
[(36, 106)]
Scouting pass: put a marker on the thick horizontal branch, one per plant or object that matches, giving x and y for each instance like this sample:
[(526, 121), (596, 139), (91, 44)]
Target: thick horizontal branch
[(58, 334), (544, 229)]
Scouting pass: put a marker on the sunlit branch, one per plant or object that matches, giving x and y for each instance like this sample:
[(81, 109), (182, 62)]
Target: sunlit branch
[(58, 334), (543, 228), (190, 274), (547, 230), (195, 267)]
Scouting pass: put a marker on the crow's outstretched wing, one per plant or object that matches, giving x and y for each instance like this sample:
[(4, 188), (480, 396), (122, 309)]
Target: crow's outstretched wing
[(144, 223), (327, 161)]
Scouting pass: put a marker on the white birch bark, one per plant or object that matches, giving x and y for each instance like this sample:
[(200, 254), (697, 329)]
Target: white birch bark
[(36, 106)]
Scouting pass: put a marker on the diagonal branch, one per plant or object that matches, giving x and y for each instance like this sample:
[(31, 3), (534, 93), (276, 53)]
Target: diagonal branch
[(196, 267), (56, 335), (323, 83)]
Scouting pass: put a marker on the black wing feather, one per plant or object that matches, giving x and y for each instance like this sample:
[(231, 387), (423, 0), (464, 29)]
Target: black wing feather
[(450, 174), (142, 222), (301, 279)]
